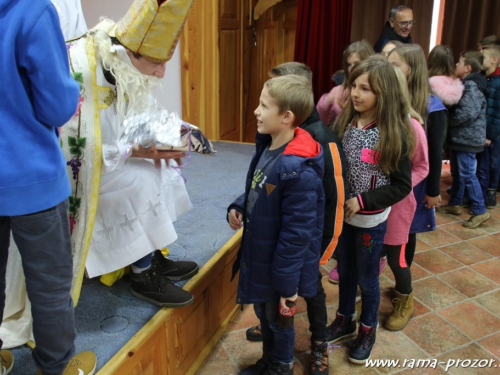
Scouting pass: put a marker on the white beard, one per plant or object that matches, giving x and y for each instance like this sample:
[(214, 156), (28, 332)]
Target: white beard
[(133, 89)]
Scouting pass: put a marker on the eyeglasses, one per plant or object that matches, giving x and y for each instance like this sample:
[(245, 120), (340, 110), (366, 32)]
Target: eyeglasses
[(405, 23)]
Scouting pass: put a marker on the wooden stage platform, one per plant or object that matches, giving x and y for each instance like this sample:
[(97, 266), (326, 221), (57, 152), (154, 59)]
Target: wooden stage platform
[(176, 341)]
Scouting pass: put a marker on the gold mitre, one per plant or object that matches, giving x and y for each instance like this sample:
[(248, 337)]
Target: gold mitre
[(152, 28)]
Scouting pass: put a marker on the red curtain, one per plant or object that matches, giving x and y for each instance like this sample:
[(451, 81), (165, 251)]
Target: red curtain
[(323, 31)]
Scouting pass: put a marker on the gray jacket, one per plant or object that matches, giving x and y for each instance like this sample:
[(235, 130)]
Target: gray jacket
[(467, 122)]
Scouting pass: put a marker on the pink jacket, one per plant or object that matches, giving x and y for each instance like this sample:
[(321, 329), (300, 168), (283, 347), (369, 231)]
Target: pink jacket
[(448, 89), (401, 215), (329, 105)]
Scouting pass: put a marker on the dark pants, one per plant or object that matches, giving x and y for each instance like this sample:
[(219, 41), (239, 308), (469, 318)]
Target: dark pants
[(463, 170), (275, 340), (316, 313), (358, 254), (488, 167), (144, 262), (43, 241), (396, 257), (411, 247)]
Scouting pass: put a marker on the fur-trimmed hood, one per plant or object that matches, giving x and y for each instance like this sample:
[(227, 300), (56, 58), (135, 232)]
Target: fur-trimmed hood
[(448, 89)]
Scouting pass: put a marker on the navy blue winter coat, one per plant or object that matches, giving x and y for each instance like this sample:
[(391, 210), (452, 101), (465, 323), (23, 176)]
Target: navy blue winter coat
[(281, 244), (493, 106)]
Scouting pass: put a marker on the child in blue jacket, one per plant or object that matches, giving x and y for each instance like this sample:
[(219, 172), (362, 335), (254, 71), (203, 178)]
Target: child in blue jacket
[(281, 213)]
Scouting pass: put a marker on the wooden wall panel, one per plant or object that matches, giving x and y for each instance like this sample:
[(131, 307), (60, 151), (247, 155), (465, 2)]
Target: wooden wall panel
[(200, 68), (176, 341), (230, 70), (275, 44), (229, 9), (230, 81), (223, 70), (190, 329)]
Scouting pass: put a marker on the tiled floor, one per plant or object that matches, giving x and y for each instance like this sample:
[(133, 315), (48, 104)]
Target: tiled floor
[(456, 275)]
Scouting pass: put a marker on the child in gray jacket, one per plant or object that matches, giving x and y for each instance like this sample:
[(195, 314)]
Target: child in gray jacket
[(466, 137)]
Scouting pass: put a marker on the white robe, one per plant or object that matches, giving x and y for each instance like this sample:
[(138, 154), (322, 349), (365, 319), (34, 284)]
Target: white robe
[(71, 18), (138, 202)]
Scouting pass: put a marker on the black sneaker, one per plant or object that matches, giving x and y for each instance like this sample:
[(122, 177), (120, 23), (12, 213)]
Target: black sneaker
[(343, 326), (319, 358), (174, 271), (258, 368), (279, 368), (151, 286), (254, 333), (361, 350), (491, 198)]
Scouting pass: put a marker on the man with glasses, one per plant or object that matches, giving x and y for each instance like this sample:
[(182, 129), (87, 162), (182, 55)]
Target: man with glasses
[(398, 27)]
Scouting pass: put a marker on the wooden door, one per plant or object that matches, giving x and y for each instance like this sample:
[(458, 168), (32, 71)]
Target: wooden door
[(223, 70), (270, 41), (230, 70)]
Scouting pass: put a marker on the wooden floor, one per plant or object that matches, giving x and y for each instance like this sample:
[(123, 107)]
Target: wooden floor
[(177, 341)]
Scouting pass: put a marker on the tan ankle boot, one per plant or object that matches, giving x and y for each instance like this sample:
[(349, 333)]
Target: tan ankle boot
[(403, 311)]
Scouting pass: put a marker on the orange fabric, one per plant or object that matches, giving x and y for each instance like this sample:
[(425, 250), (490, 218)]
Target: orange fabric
[(339, 217)]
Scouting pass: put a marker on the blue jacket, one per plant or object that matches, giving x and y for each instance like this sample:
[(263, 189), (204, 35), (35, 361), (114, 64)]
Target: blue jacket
[(37, 95), (281, 245), (493, 106)]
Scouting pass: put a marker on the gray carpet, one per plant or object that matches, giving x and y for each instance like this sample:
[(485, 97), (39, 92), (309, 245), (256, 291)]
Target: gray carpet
[(107, 317)]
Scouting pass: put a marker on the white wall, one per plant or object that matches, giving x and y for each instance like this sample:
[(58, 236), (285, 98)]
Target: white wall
[(169, 95)]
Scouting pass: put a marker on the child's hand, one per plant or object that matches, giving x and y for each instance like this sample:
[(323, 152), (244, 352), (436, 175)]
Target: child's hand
[(488, 142), (351, 207), (432, 201), (235, 217), (283, 301)]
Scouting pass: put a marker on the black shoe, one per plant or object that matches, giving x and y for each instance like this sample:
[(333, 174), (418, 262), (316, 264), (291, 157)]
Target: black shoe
[(151, 286), (258, 368), (319, 358), (279, 368), (175, 271), (254, 333), (342, 327), (361, 350), (491, 198)]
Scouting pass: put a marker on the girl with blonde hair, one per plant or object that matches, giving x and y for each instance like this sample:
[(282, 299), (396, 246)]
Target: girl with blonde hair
[(410, 59), (400, 220), (330, 105)]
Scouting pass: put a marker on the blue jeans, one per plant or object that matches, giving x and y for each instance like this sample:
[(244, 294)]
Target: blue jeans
[(488, 167), (358, 255), (463, 170), (144, 262), (43, 240), (275, 340)]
